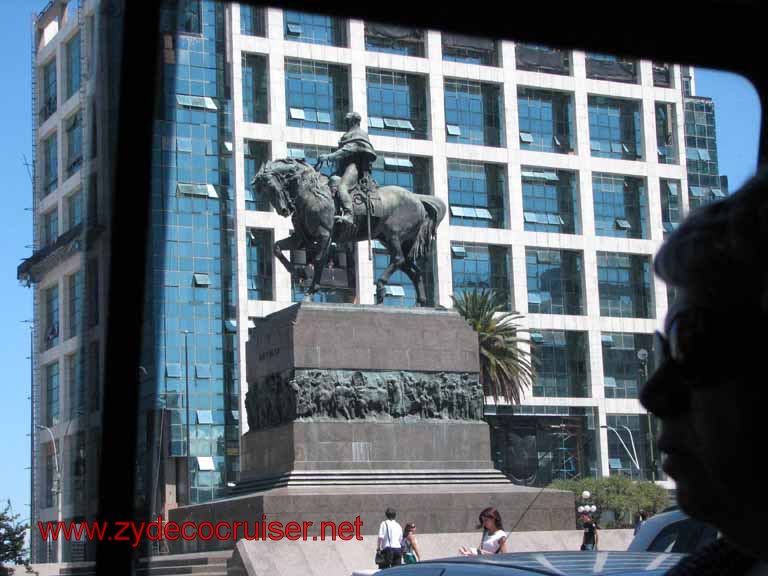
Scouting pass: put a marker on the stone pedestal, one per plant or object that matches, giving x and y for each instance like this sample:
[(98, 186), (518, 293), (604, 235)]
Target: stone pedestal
[(354, 409)]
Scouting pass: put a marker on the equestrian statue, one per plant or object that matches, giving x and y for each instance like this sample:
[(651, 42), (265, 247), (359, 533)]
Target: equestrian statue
[(350, 207)]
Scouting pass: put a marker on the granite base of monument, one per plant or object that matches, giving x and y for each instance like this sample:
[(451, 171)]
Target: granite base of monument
[(354, 409), (435, 508)]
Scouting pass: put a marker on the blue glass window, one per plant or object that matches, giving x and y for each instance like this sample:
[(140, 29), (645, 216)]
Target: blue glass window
[(314, 28), (50, 164), (624, 285), (470, 49), (256, 154), (189, 13), (622, 370), (310, 153), (537, 58), (704, 182), (73, 65), (628, 447), (259, 264), (477, 266), (48, 95), (76, 386), (665, 133), (476, 194), (614, 128), (670, 205), (252, 20), (74, 209), (50, 227), (621, 206), (337, 283), (671, 295), (662, 74), (546, 120), (400, 291), (397, 104), (92, 292), (409, 172), (394, 39), (52, 394), (317, 94), (473, 113), (550, 201), (555, 281), (75, 289), (609, 67), (255, 89), (74, 126), (51, 335), (561, 364)]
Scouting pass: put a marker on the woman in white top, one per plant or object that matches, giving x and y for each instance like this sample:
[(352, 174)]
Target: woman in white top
[(494, 538)]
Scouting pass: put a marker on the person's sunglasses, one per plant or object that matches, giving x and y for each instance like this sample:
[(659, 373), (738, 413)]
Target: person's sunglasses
[(688, 347)]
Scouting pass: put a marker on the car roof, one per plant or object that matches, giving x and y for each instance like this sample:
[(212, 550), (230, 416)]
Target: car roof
[(570, 563)]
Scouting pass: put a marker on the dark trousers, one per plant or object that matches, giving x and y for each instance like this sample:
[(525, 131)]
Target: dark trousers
[(392, 557)]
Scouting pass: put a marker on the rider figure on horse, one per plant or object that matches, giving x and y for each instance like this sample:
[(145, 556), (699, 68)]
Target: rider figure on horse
[(353, 158)]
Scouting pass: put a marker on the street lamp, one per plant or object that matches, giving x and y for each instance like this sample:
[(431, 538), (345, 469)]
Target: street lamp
[(56, 489), (587, 507), (631, 457), (186, 405), (642, 355)]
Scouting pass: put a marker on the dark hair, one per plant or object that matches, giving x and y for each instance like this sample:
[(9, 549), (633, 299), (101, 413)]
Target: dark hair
[(408, 529), (721, 249), (390, 513), (491, 512)]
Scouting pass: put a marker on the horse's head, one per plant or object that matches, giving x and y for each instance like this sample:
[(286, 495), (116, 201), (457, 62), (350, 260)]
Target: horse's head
[(277, 181)]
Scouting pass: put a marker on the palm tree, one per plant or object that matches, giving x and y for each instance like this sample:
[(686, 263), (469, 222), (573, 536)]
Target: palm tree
[(505, 369)]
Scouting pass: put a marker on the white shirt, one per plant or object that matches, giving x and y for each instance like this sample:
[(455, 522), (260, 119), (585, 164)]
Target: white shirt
[(391, 533), (492, 542)]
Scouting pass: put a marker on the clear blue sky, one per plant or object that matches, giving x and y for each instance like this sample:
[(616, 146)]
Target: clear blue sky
[(737, 135)]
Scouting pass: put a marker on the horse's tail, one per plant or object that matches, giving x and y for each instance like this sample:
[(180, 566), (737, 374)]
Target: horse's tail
[(435, 209)]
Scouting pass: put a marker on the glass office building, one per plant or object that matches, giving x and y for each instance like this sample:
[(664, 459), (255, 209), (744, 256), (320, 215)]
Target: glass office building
[(559, 193)]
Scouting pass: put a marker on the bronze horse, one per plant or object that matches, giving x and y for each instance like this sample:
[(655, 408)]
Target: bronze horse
[(405, 223)]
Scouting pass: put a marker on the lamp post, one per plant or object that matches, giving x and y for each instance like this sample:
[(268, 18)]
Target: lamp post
[(642, 355), (186, 406), (586, 507), (631, 457), (56, 489)]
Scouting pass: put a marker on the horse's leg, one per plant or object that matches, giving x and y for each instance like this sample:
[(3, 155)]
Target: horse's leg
[(396, 260), (320, 260), (415, 273), (293, 242)]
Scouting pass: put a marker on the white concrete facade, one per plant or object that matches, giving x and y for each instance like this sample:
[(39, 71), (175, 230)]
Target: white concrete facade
[(55, 29), (515, 238)]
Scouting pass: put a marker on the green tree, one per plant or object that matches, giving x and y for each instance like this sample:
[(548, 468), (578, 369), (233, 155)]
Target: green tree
[(11, 540), (619, 495), (505, 368)]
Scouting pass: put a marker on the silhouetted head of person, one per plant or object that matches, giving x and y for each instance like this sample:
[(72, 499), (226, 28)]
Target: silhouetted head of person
[(708, 387)]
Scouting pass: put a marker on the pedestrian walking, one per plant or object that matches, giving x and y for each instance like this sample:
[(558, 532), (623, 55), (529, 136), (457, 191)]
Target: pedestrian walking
[(388, 551), (409, 545), (589, 541), (494, 540), (641, 518)]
